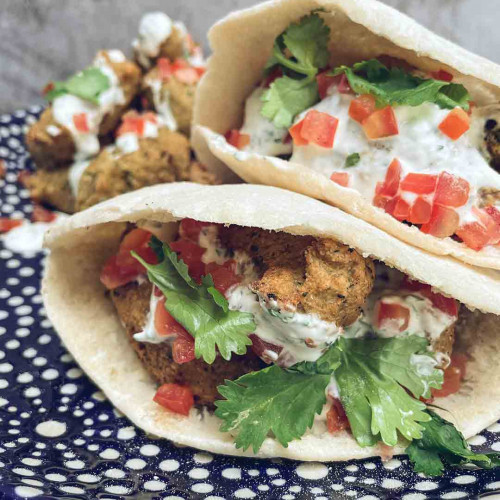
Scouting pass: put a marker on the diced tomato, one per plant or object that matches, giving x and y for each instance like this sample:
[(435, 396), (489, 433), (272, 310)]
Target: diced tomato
[(491, 224), (419, 183), (183, 348), (187, 75), (325, 82), (319, 128), (392, 179), (455, 124), (224, 275), (191, 254), (493, 212), (336, 419), (343, 86), (341, 178), (7, 224), (381, 200), (80, 122), (276, 73), (164, 322), (445, 304), (114, 275), (236, 139), (444, 222), (41, 214), (164, 68), (175, 397), (362, 107), (3, 169), (401, 210), (137, 239), (296, 133), (190, 229), (453, 376), (474, 235), (132, 122), (451, 190), (442, 75), (420, 211), (265, 349), (381, 123), (394, 314)]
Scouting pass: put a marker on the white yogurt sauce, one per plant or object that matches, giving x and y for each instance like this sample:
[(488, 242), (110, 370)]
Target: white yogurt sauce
[(129, 142), (149, 334), (154, 29), (75, 174), (161, 102), (66, 106), (265, 138), (53, 131), (419, 146)]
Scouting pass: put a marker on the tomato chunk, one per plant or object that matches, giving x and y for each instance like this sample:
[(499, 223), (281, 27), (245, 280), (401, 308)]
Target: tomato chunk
[(114, 275), (392, 315), (442, 75), (236, 139), (419, 183), (451, 190), (41, 214), (7, 224), (175, 397), (362, 107), (224, 275), (188, 76), (80, 122), (183, 348), (296, 134), (444, 222), (191, 254), (165, 324), (276, 73), (453, 376), (493, 212), (401, 210), (341, 178), (132, 123), (164, 68), (336, 419), (381, 123), (137, 240), (343, 85), (319, 128), (445, 304), (190, 229), (474, 235), (392, 179), (420, 211), (455, 124)]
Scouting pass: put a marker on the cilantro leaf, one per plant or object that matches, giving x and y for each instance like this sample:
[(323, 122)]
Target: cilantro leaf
[(300, 51), (395, 86), (442, 442), (88, 85), (200, 309), (352, 160), (286, 98), (371, 379), (271, 400)]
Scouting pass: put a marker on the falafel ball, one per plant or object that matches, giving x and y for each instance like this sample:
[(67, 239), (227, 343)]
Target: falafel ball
[(165, 158), (132, 304), (172, 99), (51, 145), (492, 139)]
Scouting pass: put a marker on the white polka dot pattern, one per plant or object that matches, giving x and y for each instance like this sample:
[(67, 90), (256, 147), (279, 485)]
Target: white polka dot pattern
[(60, 437)]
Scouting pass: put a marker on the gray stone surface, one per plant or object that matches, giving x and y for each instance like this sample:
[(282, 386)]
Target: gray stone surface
[(49, 39)]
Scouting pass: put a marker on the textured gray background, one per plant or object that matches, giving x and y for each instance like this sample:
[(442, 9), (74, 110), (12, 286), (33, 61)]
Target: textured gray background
[(49, 39)]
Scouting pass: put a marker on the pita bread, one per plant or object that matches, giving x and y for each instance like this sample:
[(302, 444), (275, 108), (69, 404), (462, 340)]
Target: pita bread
[(360, 29), (87, 322)]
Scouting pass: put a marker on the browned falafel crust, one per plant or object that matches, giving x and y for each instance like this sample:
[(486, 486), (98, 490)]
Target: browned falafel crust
[(51, 187), (306, 274), (165, 158), (132, 304), (492, 140), (50, 152)]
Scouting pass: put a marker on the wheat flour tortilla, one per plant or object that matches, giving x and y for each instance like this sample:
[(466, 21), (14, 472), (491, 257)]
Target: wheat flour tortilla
[(360, 29), (88, 324)]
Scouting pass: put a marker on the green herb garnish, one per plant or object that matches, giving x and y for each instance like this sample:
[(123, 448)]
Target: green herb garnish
[(352, 160)]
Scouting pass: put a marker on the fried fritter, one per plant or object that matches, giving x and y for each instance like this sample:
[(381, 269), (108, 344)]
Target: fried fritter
[(132, 304), (444, 343), (51, 145), (165, 158), (171, 99), (306, 274), (51, 187), (489, 196), (492, 139)]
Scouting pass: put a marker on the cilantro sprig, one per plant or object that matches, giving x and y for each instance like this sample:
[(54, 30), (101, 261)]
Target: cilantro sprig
[(442, 443), (397, 87), (201, 309), (88, 85), (300, 51), (371, 376)]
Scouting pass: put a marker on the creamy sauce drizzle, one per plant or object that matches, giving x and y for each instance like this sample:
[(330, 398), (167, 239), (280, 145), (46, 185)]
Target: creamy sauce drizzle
[(161, 101), (154, 29), (75, 173)]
